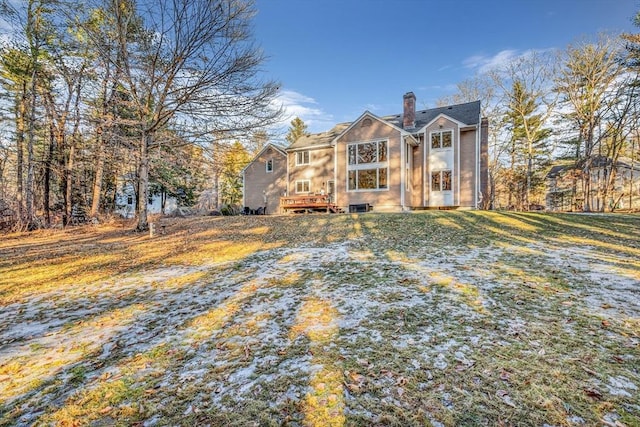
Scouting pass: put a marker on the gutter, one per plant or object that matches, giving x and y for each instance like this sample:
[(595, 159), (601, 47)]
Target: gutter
[(478, 160)]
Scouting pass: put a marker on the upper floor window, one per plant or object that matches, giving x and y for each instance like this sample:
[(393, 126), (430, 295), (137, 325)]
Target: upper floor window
[(441, 139), (269, 165), (367, 152), (302, 158)]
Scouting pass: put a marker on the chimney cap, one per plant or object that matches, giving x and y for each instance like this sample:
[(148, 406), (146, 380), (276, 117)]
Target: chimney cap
[(409, 95)]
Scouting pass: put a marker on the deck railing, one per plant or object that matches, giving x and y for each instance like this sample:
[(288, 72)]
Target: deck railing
[(305, 200), (310, 202)]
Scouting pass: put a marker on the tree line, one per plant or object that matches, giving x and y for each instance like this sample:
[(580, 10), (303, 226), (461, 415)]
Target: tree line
[(160, 91), (169, 95), (577, 107)]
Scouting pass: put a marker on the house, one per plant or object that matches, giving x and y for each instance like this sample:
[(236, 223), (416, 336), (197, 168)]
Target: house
[(435, 158), (265, 179), (564, 190), (125, 199)]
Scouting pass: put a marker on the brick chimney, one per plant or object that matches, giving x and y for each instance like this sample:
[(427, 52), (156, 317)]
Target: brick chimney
[(409, 110)]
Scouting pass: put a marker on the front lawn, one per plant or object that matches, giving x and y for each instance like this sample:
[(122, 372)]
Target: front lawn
[(431, 318)]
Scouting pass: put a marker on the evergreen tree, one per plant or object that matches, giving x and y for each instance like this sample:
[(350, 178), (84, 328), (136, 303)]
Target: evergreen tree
[(528, 148), (297, 129)]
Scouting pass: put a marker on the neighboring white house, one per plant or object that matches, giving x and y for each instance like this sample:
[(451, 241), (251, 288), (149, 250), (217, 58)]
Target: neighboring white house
[(126, 200)]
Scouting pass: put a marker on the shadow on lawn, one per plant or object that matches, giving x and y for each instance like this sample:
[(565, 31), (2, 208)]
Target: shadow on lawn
[(127, 387)]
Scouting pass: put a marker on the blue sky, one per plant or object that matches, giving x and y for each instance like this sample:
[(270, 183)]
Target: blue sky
[(337, 58)]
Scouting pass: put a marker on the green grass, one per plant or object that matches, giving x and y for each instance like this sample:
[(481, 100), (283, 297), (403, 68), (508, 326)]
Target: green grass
[(431, 318)]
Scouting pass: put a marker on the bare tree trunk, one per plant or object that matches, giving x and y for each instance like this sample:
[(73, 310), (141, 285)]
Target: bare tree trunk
[(527, 192), (21, 111), (68, 182), (99, 172), (47, 174), (631, 171), (31, 135), (143, 180), (69, 167), (492, 191)]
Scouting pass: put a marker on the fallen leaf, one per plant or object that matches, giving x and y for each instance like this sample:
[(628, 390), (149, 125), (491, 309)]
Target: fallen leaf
[(502, 394), (593, 393), (354, 388)]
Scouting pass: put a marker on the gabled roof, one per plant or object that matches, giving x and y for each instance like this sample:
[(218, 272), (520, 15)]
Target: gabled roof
[(369, 114), (280, 149), (467, 113), (596, 162), (322, 139)]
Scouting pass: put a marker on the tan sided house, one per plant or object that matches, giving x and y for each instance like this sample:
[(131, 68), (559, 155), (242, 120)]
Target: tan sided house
[(435, 158)]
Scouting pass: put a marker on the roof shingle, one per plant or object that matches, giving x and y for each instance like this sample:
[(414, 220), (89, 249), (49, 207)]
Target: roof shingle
[(467, 113)]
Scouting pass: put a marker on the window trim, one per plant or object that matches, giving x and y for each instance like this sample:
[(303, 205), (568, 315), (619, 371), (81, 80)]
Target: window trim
[(302, 181), (377, 166), (440, 132), (308, 156), (267, 168), (441, 172)]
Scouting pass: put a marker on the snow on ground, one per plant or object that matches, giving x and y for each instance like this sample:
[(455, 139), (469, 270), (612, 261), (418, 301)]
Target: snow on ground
[(234, 325)]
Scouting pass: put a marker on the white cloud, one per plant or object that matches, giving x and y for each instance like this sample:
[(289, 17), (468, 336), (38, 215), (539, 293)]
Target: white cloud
[(485, 63), (296, 104)]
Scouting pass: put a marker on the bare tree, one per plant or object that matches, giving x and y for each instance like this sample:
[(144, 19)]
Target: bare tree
[(193, 63), (586, 83)]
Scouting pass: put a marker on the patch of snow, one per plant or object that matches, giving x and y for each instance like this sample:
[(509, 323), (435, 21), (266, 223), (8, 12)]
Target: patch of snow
[(621, 386)]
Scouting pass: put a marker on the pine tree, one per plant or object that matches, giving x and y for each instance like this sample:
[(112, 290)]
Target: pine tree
[(528, 135), (297, 129)]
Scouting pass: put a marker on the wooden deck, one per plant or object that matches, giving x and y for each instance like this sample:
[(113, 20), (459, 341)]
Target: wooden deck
[(308, 204)]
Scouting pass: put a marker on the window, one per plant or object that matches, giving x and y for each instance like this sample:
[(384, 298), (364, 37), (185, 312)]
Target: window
[(367, 166), (302, 158), (441, 139), (302, 186), (269, 165), (441, 181), (129, 200)]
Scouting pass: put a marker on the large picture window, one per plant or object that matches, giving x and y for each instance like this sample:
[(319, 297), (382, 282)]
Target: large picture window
[(441, 139), (441, 181), (367, 166), (367, 152), (302, 158)]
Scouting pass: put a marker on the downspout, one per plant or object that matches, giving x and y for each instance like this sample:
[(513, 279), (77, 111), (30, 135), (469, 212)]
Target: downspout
[(403, 141), (477, 162), (335, 174), (426, 171), (456, 153), (288, 179)]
